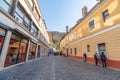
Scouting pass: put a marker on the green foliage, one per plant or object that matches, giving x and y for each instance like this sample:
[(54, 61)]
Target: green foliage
[(55, 44)]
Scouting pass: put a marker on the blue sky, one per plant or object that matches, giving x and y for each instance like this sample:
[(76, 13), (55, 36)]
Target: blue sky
[(59, 13)]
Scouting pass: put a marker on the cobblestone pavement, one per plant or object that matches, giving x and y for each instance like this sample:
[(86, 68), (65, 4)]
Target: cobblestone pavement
[(58, 68)]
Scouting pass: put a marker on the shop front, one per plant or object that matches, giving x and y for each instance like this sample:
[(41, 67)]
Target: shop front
[(32, 51), (17, 50)]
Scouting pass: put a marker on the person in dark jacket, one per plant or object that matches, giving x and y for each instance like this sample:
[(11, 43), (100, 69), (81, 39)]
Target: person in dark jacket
[(103, 58), (85, 57), (96, 58)]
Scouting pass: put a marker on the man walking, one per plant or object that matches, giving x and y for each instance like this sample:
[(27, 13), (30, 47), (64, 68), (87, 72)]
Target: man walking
[(85, 57), (103, 58), (96, 58)]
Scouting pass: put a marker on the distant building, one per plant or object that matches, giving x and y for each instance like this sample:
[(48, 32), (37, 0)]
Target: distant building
[(97, 31), (23, 32)]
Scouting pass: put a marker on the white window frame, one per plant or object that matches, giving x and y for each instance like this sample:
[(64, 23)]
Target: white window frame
[(75, 34), (89, 26), (71, 37)]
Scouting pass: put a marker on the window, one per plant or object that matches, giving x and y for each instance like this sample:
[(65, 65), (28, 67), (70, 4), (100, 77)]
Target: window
[(34, 30), (6, 4), (22, 18), (26, 22), (71, 37), (91, 25), (74, 34), (19, 11), (13, 49), (88, 48), (71, 50), (19, 15), (75, 51), (22, 51), (105, 15), (17, 50)]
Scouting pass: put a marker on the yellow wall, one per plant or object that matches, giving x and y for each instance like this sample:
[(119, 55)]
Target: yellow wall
[(112, 45), (100, 25)]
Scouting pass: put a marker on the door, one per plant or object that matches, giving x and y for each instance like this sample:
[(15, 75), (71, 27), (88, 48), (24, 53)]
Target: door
[(67, 51), (38, 55), (102, 48)]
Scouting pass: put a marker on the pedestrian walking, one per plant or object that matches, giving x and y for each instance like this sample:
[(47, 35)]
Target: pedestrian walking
[(85, 57), (103, 58), (49, 52), (96, 57)]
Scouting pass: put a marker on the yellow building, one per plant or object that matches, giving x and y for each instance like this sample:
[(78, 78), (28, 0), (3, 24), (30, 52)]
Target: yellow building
[(97, 31)]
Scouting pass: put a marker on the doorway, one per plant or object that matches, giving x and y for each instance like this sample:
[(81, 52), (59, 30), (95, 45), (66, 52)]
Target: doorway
[(38, 55), (67, 51), (102, 48)]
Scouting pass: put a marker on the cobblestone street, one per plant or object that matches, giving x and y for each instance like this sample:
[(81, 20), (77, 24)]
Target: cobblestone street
[(58, 68)]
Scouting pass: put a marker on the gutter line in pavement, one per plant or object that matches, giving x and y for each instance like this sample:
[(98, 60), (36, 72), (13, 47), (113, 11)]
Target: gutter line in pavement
[(53, 75)]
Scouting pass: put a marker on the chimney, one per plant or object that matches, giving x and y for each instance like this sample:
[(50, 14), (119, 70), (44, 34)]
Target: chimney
[(66, 29), (84, 11)]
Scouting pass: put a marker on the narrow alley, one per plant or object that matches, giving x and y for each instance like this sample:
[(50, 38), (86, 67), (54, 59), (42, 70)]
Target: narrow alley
[(58, 68)]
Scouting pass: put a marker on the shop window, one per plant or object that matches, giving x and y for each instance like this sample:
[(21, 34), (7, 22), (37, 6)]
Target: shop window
[(88, 48), (13, 49), (22, 51), (1, 42), (91, 25), (6, 4), (75, 51), (32, 50), (17, 50), (105, 15)]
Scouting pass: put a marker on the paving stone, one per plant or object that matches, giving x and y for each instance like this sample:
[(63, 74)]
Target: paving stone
[(59, 68)]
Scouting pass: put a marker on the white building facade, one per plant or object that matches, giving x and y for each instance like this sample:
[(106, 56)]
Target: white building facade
[(23, 32)]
